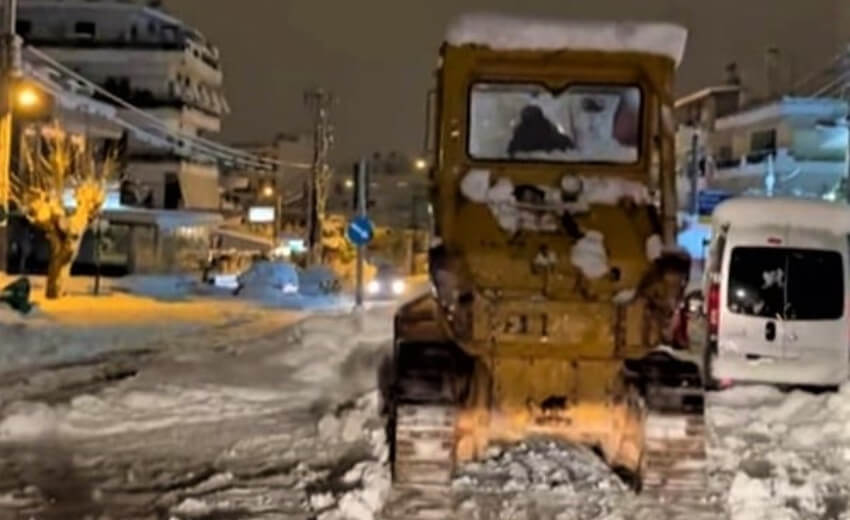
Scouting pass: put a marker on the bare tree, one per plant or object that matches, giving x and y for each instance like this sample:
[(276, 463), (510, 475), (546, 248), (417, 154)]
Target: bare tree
[(51, 167), (322, 174)]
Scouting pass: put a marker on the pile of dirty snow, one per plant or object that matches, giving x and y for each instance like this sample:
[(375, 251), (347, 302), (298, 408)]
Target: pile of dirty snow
[(781, 455), (358, 490), (539, 475)]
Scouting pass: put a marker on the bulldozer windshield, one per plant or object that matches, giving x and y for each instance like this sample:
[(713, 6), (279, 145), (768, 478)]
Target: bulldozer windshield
[(588, 123)]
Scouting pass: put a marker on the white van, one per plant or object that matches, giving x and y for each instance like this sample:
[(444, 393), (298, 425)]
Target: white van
[(775, 286)]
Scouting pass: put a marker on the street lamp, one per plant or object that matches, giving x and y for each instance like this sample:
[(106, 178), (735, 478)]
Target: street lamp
[(268, 190), (27, 97), (420, 164)]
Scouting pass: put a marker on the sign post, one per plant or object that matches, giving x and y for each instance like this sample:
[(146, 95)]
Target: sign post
[(360, 229)]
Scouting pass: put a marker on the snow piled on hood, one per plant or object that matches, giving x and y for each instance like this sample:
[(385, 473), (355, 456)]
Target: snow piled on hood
[(609, 191), (589, 255)]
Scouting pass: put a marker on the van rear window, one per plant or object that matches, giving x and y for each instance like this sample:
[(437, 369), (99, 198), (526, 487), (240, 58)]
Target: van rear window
[(786, 283)]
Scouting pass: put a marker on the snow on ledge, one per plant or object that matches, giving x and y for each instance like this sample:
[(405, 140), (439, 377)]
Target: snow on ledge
[(501, 32)]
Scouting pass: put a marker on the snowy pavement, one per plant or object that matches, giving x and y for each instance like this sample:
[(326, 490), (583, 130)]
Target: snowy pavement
[(242, 421)]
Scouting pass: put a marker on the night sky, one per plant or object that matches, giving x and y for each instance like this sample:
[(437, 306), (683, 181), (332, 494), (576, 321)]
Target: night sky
[(378, 55)]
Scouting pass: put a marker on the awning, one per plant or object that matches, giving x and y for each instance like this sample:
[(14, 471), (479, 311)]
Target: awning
[(163, 219), (199, 186)]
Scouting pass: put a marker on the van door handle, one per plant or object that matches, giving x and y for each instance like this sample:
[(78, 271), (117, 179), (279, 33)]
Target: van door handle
[(770, 331)]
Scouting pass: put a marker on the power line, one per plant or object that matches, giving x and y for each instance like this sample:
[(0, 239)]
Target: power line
[(208, 149), (204, 143)]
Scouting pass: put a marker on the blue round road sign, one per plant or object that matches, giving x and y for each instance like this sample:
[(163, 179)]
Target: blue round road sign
[(360, 231)]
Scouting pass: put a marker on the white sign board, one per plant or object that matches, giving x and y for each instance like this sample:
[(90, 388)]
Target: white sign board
[(260, 214)]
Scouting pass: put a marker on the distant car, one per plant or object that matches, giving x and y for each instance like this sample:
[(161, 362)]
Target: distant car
[(388, 283)]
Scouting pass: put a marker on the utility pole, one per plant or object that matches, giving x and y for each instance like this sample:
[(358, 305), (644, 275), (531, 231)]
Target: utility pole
[(320, 102), (693, 172), (362, 180), (8, 63)]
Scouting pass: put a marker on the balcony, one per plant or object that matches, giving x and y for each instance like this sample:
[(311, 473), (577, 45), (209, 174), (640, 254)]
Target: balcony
[(212, 105), (103, 43), (792, 176)]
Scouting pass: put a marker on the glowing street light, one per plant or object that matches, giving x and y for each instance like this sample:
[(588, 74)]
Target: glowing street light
[(420, 164), (268, 191), (27, 97), (349, 183)]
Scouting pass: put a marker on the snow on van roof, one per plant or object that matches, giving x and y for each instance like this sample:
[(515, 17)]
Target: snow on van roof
[(502, 32), (798, 213)]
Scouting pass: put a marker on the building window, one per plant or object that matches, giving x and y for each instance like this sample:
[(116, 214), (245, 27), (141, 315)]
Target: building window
[(173, 194), (763, 141), (724, 156), (23, 28), (84, 29)]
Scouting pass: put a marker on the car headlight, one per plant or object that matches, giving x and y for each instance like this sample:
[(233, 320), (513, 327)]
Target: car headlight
[(373, 287), (398, 286)]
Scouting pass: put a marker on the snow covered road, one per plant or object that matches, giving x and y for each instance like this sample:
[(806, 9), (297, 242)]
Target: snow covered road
[(259, 415), (235, 420)]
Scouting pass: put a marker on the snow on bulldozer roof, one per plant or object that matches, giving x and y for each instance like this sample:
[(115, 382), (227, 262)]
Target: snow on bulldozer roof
[(813, 214), (501, 32)]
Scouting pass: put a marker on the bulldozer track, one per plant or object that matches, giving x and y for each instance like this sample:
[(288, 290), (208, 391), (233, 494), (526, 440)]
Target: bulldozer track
[(423, 463), (673, 468), (424, 442), (674, 465)]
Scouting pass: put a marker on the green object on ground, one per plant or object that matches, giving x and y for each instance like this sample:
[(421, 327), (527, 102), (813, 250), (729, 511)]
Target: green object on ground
[(17, 295)]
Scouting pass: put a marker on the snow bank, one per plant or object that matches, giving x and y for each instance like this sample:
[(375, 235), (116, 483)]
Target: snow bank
[(501, 32), (76, 328), (268, 280), (157, 286), (589, 255), (313, 279), (781, 455), (360, 492), (10, 317)]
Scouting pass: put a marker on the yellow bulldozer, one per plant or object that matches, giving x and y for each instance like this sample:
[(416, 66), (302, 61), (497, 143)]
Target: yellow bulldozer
[(553, 260)]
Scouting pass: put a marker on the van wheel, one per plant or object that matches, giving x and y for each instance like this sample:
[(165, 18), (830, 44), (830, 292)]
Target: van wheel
[(709, 382)]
